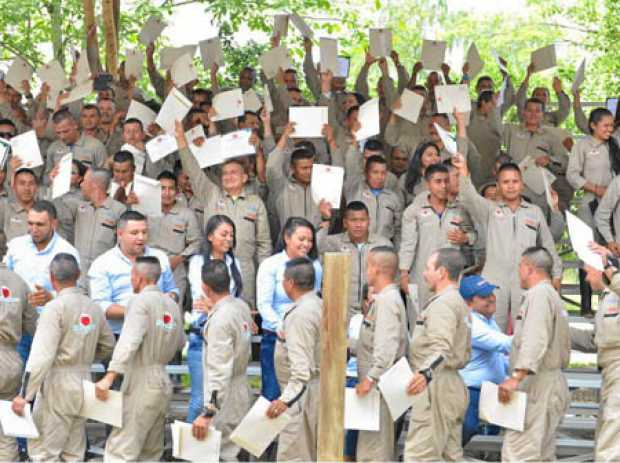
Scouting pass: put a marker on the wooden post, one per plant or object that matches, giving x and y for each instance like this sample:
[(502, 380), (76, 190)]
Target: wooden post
[(111, 48), (89, 22), (337, 268)]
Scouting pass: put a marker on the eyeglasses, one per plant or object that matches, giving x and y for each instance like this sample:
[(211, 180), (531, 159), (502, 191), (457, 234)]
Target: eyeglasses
[(6, 135)]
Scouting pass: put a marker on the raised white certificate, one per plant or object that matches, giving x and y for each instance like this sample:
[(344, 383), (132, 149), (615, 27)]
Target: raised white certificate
[(475, 62), (141, 112), (186, 447), (211, 52), (175, 108), (448, 140), (26, 147), (273, 60), (368, 117), (380, 42), (79, 92), (361, 413), (256, 431), (18, 71), (410, 106), (329, 55), (209, 153), (544, 58), (580, 76), (548, 179), (301, 26), (169, 55), (148, 192), (108, 412), (510, 415), (134, 59), (280, 25), (342, 70), (433, 54), (326, 183), (152, 29), (53, 75), (393, 386), (62, 182), (533, 175), (449, 97), (581, 235), (237, 143), (268, 100), (161, 146), (309, 120), (499, 61), (251, 101), (82, 72), (182, 71), (228, 105), (17, 426)]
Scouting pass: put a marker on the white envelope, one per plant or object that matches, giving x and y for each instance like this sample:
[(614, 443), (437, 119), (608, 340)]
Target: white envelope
[(411, 105), (79, 92), (141, 112), (169, 55), (326, 183), (475, 62), (510, 415), (82, 73), (433, 54), (380, 42), (309, 120), (449, 97), (17, 426), (26, 147), (301, 26), (361, 413), (580, 76), (139, 157), (186, 447), (148, 191), (183, 71), (256, 431), (280, 25), (152, 29), (108, 412), (329, 55), (211, 52), (274, 59), (161, 146), (544, 58), (251, 101), (342, 68), (62, 181), (175, 108), (134, 59), (393, 386), (581, 235), (448, 140), (19, 71), (368, 117), (228, 105), (267, 97)]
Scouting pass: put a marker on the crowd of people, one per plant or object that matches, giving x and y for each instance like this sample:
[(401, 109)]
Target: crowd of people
[(453, 261)]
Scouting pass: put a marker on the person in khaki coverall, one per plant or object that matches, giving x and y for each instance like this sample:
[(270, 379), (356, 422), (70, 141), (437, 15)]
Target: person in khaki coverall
[(382, 342), (299, 351), (247, 211), (512, 225), (431, 222), (152, 334), (552, 118), (71, 333), (227, 350), (16, 317), (440, 346), (540, 349)]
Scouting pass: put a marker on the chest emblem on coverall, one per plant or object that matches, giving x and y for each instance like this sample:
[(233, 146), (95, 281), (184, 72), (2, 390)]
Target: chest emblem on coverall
[(6, 292), (84, 325), (166, 322)]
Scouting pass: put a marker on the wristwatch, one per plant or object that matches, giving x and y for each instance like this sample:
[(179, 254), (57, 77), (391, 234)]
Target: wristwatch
[(428, 374), (209, 411)]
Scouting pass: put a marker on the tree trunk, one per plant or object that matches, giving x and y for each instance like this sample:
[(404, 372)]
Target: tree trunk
[(92, 44), (54, 7), (111, 46)]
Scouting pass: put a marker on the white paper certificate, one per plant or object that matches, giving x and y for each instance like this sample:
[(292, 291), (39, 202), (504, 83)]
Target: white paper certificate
[(237, 143), (17, 426), (433, 54), (475, 62), (108, 412), (361, 413), (251, 101), (19, 71), (327, 184), (580, 76), (329, 55), (273, 60), (449, 97), (228, 104), (510, 415), (152, 29), (82, 73), (148, 192), (79, 92), (62, 181), (544, 58), (280, 25), (211, 52), (161, 146), (183, 71), (169, 55), (309, 120), (581, 235), (175, 108), (186, 447), (268, 101), (380, 42), (133, 63), (26, 147), (449, 142), (411, 104), (368, 117), (141, 112), (393, 386), (301, 26)]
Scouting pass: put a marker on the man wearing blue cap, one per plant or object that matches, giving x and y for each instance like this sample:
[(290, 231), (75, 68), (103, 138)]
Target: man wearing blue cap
[(489, 347)]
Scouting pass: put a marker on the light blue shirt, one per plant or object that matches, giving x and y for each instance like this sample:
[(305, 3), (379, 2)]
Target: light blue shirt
[(271, 300), (109, 279), (489, 349), (33, 265)]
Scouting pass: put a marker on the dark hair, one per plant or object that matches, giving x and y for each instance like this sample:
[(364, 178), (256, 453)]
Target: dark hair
[(442, 116), (45, 206), (212, 224), (373, 145), (167, 175), (484, 97), (351, 109), (290, 71), (111, 100), (82, 168), (301, 271), (291, 225), (91, 106), (215, 275), (61, 115), (534, 101), (359, 98), (26, 171), (130, 216), (301, 153), (134, 120), (508, 166), (435, 168), (374, 159), (612, 144), (414, 171), (482, 79), (356, 206), (123, 156), (203, 91), (307, 144), (8, 122), (245, 115)]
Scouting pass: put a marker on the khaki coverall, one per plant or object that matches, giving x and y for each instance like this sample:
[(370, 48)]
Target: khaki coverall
[(152, 334), (86, 149), (485, 132), (541, 345), (13, 221), (382, 342), (554, 118), (607, 216)]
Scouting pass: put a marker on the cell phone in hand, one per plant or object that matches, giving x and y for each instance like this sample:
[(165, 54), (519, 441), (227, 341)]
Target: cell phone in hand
[(102, 82)]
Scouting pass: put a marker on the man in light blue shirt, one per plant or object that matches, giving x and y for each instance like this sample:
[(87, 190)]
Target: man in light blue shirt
[(109, 276), (489, 359)]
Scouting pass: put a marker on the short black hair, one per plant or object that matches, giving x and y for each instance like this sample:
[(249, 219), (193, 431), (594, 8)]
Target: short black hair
[(508, 166), (434, 169), (61, 115), (534, 101), (355, 206), (91, 106), (134, 120), (442, 115), (301, 271), (81, 167), (352, 109), (307, 144), (245, 115), (373, 145), (375, 159), (45, 206), (130, 216), (123, 156), (27, 171), (215, 275), (167, 175), (301, 153)]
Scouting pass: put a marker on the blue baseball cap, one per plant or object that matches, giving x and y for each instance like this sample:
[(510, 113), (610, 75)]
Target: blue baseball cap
[(475, 285)]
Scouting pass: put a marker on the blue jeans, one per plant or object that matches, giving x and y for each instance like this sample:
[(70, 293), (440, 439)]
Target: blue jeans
[(350, 435), (194, 364), (471, 424), (270, 389)]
